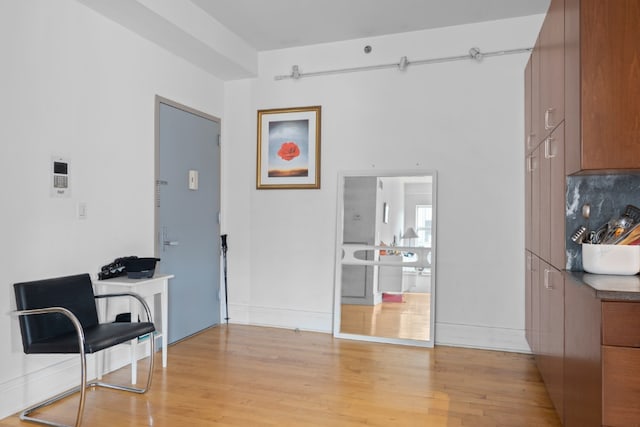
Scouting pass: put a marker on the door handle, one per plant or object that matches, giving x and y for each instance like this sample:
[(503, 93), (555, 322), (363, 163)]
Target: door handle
[(170, 243)]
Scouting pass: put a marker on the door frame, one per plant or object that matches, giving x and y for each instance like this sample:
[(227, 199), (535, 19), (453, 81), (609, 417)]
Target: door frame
[(156, 181)]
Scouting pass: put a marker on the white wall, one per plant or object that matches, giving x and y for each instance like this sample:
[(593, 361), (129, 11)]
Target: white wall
[(77, 85), (463, 119)]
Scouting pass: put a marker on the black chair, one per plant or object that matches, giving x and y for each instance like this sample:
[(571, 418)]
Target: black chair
[(60, 316)]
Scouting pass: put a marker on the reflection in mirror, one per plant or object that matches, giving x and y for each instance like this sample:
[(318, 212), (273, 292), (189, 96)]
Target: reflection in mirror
[(385, 263)]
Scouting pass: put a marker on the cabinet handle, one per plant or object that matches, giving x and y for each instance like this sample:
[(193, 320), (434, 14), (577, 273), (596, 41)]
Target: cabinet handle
[(547, 118), (530, 138), (530, 164), (547, 279), (547, 148)]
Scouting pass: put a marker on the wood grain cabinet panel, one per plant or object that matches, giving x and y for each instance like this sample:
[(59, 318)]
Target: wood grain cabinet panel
[(582, 358), (582, 86), (528, 314), (602, 84), (554, 155), (621, 324), (550, 356), (532, 125), (620, 386), (551, 47)]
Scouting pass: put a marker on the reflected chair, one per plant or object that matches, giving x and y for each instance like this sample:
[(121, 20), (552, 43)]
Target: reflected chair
[(60, 316)]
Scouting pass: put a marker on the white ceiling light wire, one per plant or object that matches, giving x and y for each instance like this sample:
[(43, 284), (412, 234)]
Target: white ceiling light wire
[(474, 53)]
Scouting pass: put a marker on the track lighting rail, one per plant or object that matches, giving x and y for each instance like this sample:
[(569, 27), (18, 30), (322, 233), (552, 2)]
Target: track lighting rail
[(474, 53)]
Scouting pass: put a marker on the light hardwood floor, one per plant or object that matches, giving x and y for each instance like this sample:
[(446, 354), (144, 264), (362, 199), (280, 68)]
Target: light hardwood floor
[(252, 376), (408, 319)]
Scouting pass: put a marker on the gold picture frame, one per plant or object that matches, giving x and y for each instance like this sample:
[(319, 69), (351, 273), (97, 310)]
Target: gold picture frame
[(289, 148)]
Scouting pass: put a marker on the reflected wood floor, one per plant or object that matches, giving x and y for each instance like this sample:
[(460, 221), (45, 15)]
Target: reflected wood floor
[(408, 319), (240, 375)]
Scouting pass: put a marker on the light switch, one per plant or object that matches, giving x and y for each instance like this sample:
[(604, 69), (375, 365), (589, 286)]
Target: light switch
[(82, 210), (193, 180)]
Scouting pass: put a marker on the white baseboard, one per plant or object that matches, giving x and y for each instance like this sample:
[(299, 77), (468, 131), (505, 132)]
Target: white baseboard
[(457, 335), (38, 386), (482, 337), (238, 313), (283, 318)]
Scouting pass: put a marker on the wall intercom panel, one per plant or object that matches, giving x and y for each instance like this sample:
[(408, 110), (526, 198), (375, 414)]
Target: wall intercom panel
[(60, 180)]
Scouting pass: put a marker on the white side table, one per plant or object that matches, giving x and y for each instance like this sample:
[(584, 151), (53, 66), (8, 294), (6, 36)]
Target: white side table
[(146, 288)]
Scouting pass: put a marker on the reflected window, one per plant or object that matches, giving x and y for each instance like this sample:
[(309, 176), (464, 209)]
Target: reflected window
[(423, 225)]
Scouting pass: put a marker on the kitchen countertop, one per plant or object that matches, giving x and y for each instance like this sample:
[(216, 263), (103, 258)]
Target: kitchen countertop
[(609, 287)]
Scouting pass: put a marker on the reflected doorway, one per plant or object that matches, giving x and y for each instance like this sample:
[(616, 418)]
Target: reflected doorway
[(385, 257)]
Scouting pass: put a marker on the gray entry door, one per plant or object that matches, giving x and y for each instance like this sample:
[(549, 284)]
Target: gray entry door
[(187, 229)]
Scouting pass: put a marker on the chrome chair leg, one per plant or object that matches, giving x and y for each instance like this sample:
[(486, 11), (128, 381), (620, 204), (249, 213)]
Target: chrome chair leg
[(82, 388), (152, 344)]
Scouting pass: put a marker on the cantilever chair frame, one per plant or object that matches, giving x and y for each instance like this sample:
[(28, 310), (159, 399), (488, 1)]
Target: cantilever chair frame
[(25, 415)]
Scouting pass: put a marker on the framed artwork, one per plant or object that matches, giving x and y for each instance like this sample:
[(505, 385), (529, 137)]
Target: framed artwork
[(289, 148)]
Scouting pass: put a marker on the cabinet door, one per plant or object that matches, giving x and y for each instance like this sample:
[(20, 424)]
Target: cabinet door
[(544, 206), (620, 386), (534, 173), (537, 130), (528, 318), (528, 205), (552, 198), (551, 360), (582, 359), (609, 34), (552, 67), (602, 85), (531, 102), (554, 155), (535, 305), (572, 86)]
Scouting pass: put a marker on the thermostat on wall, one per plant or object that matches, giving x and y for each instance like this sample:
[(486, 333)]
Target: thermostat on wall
[(60, 183)]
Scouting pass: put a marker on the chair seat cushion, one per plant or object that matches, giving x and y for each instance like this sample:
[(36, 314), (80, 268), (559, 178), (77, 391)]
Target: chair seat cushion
[(96, 337)]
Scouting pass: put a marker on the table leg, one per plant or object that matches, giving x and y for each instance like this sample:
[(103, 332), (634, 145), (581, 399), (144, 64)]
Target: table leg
[(165, 324), (133, 306), (100, 357)]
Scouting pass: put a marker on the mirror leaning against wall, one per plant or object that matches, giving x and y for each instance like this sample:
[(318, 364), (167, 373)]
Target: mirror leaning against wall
[(385, 257)]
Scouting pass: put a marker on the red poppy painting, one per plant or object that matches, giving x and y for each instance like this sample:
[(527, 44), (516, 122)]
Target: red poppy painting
[(289, 151), (289, 148)]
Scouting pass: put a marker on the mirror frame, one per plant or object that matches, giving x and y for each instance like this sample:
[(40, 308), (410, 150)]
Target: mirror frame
[(337, 310)]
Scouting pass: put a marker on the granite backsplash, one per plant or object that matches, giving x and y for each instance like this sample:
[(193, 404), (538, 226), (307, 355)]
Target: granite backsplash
[(608, 195)]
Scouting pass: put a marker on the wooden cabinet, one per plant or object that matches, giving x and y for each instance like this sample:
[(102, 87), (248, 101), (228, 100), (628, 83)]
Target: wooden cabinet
[(528, 204), (544, 79), (582, 85), (544, 141), (532, 299), (602, 85), (551, 80), (532, 111), (620, 386), (533, 165), (544, 323), (553, 166), (601, 359), (582, 359), (528, 291), (550, 356), (545, 199), (622, 324), (620, 363)]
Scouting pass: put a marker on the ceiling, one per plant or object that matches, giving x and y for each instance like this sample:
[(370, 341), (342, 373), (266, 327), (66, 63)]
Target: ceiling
[(278, 24), (223, 36)]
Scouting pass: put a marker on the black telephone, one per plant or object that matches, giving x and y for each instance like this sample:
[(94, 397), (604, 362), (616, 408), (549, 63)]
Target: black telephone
[(115, 268)]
